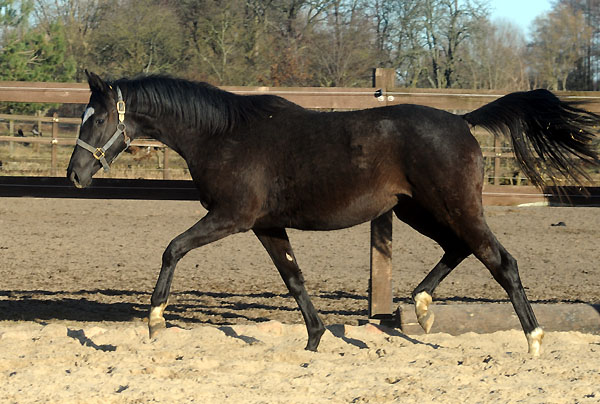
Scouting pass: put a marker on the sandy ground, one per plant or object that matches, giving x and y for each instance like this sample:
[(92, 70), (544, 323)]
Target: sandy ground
[(116, 363), (77, 277)]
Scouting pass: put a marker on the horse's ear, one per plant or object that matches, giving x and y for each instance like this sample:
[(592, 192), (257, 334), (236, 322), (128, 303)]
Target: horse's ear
[(96, 83)]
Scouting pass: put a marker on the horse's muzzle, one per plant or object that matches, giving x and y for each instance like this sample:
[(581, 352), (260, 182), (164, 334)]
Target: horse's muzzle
[(74, 178)]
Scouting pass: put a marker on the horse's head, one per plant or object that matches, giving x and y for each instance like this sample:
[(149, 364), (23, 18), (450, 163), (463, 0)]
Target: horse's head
[(102, 135)]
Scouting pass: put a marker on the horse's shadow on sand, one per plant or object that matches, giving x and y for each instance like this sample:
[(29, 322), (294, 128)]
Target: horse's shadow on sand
[(91, 306), (195, 307), (126, 305)]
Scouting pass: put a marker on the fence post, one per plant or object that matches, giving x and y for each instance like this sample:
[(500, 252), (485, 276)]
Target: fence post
[(54, 145), (38, 126), (497, 160), (38, 115), (11, 132), (166, 174), (380, 284)]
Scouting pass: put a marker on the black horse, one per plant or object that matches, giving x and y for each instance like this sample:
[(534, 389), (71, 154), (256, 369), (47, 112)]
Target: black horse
[(265, 164)]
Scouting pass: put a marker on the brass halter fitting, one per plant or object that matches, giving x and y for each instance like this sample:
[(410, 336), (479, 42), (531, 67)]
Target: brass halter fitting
[(121, 109)]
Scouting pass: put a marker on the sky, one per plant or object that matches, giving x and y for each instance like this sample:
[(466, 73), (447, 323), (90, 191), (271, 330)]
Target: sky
[(521, 12)]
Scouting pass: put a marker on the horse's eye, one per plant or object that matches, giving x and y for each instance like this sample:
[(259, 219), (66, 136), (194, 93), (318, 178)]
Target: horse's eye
[(99, 121)]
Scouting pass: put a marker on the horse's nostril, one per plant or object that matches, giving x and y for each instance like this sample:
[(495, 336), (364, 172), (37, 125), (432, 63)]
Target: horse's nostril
[(75, 179)]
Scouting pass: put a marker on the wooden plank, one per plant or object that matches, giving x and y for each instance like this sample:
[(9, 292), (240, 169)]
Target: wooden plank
[(71, 141), (36, 118), (468, 100), (46, 92), (308, 97), (511, 195), (317, 97)]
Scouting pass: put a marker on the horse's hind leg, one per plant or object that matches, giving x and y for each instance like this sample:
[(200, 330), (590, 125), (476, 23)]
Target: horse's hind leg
[(278, 246), (503, 268), (455, 251)]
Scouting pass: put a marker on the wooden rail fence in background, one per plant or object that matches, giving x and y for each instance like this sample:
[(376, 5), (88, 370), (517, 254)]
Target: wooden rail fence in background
[(308, 97)]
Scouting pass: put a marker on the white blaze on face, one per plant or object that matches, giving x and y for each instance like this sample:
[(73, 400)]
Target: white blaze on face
[(88, 113)]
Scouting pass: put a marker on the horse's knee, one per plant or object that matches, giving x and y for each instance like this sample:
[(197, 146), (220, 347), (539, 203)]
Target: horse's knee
[(173, 253)]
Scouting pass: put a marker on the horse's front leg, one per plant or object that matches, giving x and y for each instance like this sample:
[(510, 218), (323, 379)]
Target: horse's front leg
[(212, 227), (278, 246)]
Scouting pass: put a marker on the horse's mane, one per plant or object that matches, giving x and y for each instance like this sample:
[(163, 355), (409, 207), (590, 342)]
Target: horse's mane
[(194, 104)]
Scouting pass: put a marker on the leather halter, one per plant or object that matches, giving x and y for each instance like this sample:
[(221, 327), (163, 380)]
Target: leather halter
[(99, 153)]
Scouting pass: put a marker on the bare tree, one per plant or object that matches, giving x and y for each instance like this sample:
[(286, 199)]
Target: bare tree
[(135, 37), (494, 58), (559, 41), (448, 24), (408, 54), (587, 72), (343, 50), (293, 23)]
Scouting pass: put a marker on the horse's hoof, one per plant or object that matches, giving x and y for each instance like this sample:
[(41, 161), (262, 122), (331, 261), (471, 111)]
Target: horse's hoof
[(156, 320), (314, 338), (534, 340), (155, 327), (426, 322), (424, 316), (310, 348)]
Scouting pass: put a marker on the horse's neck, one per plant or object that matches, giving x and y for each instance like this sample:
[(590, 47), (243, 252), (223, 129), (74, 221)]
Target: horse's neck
[(159, 130)]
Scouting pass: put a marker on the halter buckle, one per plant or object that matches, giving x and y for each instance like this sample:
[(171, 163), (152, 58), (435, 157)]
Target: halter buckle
[(121, 110), (99, 153)]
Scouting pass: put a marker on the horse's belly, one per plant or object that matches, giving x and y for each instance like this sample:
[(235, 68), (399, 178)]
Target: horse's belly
[(331, 215)]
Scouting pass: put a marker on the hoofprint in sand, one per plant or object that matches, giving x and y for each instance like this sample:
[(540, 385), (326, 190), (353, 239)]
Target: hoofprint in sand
[(79, 362)]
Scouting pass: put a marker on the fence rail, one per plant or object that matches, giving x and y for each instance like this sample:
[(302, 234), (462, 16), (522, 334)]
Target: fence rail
[(308, 97)]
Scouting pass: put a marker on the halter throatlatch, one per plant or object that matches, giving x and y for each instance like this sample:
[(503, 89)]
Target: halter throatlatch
[(99, 153)]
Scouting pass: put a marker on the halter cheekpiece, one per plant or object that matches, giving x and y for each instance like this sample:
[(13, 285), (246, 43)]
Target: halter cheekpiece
[(99, 153)]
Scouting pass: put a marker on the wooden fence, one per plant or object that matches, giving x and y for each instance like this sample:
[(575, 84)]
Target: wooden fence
[(309, 97)]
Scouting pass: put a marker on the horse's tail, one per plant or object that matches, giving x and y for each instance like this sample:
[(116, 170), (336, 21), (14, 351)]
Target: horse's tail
[(552, 139)]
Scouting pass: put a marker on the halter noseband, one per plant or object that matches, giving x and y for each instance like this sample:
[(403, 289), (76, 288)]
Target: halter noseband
[(99, 153)]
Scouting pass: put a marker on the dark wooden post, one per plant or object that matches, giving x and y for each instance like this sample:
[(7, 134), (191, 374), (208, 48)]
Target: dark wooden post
[(38, 126), (380, 284), (11, 132), (54, 144)]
